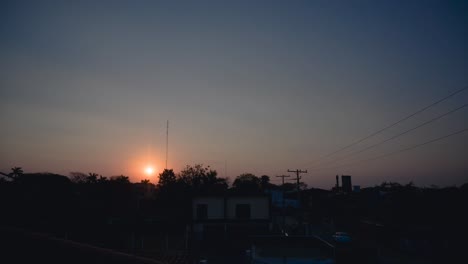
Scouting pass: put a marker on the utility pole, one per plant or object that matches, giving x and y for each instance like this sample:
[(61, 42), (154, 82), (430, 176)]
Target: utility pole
[(283, 176), (298, 177), (283, 209), (167, 141)]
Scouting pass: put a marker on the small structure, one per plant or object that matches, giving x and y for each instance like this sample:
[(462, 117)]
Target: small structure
[(231, 215), (356, 188), (346, 183), (279, 200), (346, 186)]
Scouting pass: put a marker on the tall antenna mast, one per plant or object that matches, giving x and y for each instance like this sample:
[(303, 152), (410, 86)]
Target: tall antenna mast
[(167, 141), (225, 168)]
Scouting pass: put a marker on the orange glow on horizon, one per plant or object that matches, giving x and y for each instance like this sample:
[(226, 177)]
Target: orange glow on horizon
[(149, 170), (142, 166)]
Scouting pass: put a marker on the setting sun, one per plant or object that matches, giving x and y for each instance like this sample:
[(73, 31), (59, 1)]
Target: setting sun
[(149, 170)]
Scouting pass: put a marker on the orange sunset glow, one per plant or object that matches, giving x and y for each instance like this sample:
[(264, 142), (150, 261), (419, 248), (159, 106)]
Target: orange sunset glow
[(149, 170), (144, 166)]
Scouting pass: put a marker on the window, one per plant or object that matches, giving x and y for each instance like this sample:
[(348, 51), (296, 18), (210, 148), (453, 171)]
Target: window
[(243, 211), (202, 211)]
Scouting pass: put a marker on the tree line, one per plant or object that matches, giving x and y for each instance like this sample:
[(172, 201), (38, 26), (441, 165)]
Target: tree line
[(91, 197)]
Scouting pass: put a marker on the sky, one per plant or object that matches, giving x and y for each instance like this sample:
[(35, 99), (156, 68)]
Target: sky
[(247, 86)]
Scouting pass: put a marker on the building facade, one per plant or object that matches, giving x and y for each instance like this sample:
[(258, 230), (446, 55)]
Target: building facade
[(215, 216)]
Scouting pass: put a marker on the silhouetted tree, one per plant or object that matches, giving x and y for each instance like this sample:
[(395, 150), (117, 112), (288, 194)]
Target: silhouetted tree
[(302, 185), (120, 179), (166, 178), (174, 193), (145, 181), (199, 178), (92, 177), (197, 175), (264, 182), (15, 173), (78, 177), (101, 179), (390, 186), (144, 189), (247, 182)]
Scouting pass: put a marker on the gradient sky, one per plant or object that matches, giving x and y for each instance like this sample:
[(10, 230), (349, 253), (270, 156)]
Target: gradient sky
[(262, 86)]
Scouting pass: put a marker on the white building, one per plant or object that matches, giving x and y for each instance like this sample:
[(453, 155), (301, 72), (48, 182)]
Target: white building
[(216, 215)]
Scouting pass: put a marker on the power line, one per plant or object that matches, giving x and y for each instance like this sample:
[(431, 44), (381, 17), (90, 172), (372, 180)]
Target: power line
[(399, 151), (396, 136), (282, 177), (298, 177), (394, 124)]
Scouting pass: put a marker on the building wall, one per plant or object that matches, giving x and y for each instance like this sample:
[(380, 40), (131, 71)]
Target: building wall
[(215, 207), (259, 207), (346, 183)]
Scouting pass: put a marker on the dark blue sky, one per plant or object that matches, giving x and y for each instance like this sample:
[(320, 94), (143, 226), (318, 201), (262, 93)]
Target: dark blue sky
[(263, 86)]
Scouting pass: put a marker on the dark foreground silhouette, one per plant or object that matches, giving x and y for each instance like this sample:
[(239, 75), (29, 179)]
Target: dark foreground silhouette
[(88, 218), (20, 246)]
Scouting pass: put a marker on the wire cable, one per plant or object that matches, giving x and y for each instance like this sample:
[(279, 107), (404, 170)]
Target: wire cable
[(398, 151), (394, 124), (396, 136)]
